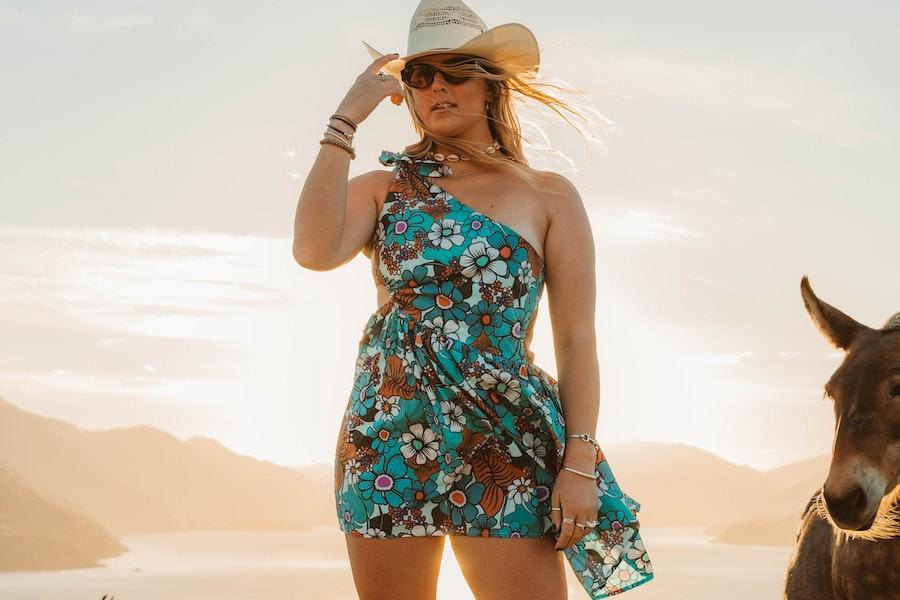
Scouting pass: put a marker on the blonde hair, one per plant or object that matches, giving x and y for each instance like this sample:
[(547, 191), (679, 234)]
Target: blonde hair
[(506, 83)]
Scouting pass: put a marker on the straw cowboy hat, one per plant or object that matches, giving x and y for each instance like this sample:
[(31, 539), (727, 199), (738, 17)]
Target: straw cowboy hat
[(451, 26)]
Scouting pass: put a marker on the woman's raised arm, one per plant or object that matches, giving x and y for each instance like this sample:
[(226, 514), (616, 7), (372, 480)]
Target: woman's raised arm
[(335, 217)]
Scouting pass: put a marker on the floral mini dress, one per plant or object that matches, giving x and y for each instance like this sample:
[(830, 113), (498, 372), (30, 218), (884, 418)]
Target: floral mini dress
[(450, 427)]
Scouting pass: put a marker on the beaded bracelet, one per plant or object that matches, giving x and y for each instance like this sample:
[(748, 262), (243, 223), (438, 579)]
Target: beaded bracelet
[(339, 144)]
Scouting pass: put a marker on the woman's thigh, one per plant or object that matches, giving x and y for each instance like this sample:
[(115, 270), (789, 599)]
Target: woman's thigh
[(514, 568), (403, 568)]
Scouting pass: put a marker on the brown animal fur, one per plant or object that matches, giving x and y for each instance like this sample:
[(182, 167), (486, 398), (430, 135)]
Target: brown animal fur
[(848, 541)]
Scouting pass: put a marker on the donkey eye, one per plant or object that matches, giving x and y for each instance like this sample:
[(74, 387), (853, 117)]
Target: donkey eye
[(895, 391)]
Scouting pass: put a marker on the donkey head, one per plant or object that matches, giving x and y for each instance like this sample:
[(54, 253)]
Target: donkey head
[(861, 494)]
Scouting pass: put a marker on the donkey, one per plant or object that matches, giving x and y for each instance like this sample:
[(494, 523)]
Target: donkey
[(847, 546)]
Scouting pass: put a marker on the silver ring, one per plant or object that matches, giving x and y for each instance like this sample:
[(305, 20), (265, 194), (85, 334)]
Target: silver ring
[(556, 508)]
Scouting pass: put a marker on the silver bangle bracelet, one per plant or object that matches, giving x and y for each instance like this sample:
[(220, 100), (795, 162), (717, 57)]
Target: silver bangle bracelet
[(337, 137), (582, 473), (348, 136)]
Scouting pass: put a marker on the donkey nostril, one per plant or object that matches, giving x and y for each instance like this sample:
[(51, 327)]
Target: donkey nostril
[(859, 499), (847, 509)]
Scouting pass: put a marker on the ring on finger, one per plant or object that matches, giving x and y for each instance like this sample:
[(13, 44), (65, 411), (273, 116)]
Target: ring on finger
[(568, 520), (556, 508)]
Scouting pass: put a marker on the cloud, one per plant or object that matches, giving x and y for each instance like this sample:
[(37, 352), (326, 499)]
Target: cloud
[(59, 381), (148, 282)]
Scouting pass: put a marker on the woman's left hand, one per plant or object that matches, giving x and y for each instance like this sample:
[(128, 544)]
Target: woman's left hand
[(576, 495)]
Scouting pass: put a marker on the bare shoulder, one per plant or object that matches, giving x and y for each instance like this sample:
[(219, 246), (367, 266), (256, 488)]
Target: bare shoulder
[(562, 197)]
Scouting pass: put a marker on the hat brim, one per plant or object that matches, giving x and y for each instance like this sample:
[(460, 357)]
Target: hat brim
[(510, 43)]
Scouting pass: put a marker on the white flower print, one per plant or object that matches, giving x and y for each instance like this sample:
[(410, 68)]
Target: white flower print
[(520, 490), (534, 447), (374, 532), (526, 273), (481, 263), (446, 328), (454, 414), (639, 555), (388, 407), (502, 382), (445, 233), (426, 529), (352, 469), (419, 442)]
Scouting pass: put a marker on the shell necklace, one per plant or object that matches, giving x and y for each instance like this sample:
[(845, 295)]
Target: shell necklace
[(455, 157)]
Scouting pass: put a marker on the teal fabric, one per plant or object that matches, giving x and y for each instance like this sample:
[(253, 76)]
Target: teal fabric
[(450, 428)]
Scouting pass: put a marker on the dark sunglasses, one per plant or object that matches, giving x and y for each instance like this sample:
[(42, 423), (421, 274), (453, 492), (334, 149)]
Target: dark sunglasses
[(421, 75)]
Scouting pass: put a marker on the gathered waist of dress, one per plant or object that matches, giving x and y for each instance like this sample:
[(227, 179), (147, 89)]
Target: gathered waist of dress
[(397, 321)]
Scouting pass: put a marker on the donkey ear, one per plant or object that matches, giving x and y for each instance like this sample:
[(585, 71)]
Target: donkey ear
[(838, 328)]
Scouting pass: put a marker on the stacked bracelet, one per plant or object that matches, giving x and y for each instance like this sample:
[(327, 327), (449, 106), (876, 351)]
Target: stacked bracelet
[(346, 120), (338, 137), (585, 438)]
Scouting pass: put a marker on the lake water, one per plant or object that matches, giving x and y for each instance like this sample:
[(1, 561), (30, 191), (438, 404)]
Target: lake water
[(227, 565)]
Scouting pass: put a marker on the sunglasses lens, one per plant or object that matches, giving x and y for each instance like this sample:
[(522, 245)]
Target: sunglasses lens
[(418, 76), (421, 75), (454, 79)]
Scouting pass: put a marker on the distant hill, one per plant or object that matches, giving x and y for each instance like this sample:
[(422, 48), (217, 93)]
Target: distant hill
[(36, 534), (683, 486), (680, 485), (775, 519), (141, 479)]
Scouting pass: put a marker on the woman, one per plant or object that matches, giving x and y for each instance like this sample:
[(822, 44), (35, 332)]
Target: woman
[(451, 429)]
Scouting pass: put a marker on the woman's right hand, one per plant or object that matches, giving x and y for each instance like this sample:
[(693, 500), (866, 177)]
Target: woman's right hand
[(370, 89)]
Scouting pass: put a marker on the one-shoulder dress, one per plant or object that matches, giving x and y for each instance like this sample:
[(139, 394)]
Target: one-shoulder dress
[(450, 428)]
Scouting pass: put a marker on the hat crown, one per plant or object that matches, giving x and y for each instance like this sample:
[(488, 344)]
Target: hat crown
[(442, 25)]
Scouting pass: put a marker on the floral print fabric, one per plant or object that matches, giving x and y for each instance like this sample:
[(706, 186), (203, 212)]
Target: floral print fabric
[(450, 427)]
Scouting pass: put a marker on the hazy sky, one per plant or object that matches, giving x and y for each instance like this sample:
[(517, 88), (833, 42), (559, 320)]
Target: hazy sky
[(152, 156)]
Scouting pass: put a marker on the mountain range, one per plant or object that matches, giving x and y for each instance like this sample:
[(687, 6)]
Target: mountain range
[(67, 494)]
